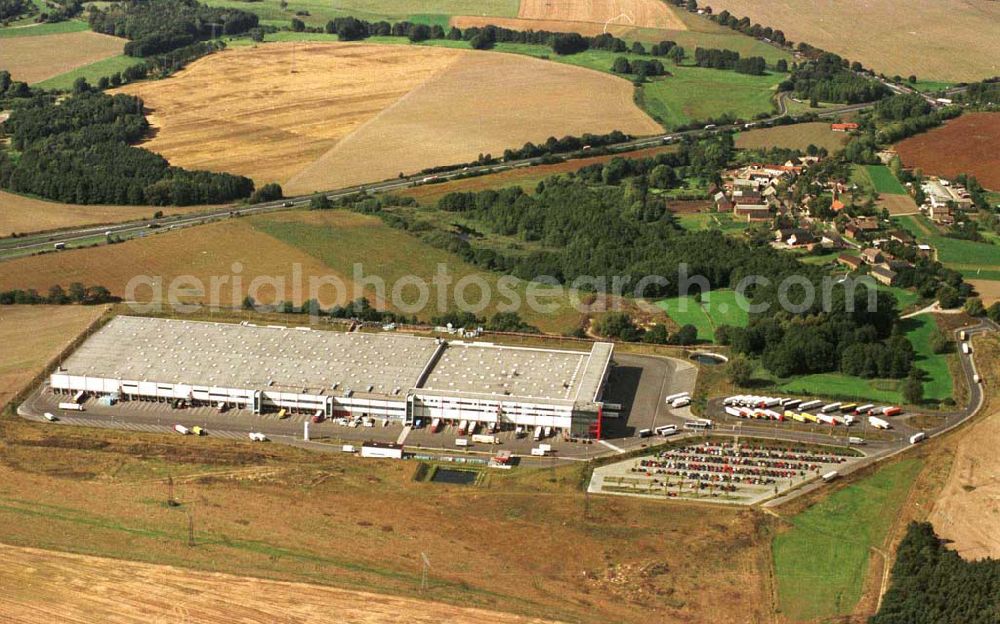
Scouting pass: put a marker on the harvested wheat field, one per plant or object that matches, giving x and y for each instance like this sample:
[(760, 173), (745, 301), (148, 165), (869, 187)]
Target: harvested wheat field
[(588, 17), (268, 111), (964, 145), (43, 586), (25, 215), (33, 59), (479, 105), (954, 40), (797, 136), (202, 252), (967, 511), (32, 335)]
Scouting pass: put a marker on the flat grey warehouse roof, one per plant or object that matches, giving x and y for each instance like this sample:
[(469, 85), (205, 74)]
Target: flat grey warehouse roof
[(247, 356), (306, 361)]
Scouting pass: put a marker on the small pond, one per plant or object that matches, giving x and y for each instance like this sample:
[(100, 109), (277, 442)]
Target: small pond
[(457, 477), (709, 359)]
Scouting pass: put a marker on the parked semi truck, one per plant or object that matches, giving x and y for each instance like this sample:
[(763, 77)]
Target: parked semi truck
[(878, 423), (73, 407), (918, 437)]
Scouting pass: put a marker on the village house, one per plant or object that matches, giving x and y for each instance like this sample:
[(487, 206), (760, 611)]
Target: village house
[(872, 255), (794, 237), (883, 274), (844, 127), (851, 262)]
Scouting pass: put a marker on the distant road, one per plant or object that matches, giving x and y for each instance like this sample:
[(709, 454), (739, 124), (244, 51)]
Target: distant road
[(13, 247)]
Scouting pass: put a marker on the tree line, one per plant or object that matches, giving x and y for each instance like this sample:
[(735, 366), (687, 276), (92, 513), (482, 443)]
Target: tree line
[(57, 295), (79, 150), (932, 584), (159, 26)]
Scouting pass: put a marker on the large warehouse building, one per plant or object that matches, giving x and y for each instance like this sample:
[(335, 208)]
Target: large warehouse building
[(387, 375)]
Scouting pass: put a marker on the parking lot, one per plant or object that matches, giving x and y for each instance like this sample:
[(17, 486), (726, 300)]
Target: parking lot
[(721, 470)]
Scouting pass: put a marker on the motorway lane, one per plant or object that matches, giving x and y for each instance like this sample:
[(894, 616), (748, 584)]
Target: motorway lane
[(31, 244)]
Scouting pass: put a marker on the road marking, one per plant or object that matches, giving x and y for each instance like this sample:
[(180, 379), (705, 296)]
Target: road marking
[(402, 434), (611, 446)]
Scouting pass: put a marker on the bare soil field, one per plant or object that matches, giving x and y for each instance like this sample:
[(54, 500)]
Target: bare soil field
[(32, 335), (964, 145), (968, 508), (898, 204), (479, 105), (268, 111), (25, 215), (527, 542), (33, 59), (618, 17), (797, 136), (955, 40), (989, 290), (45, 586), (201, 252)]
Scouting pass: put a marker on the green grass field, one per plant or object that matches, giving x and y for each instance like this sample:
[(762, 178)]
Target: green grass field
[(57, 28), (711, 221), (687, 311), (718, 307), (92, 72), (884, 181), (340, 239), (938, 382), (971, 258), (422, 11), (821, 562)]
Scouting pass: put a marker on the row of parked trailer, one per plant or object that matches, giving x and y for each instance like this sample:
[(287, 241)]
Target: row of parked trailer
[(815, 411)]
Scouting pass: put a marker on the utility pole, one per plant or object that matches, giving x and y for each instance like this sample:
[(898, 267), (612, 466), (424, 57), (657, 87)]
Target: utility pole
[(191, 543)]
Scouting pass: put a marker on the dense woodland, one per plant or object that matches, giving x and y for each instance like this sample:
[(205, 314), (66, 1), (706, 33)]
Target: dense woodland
[(158, 26), (78, 151), (14, 8), (829, 79), (934, 585)]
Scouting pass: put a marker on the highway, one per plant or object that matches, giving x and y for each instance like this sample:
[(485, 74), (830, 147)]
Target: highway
[(27, 245)]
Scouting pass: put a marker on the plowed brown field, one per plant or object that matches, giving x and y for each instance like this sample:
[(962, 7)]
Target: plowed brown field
[(479, 105), (43, 586), (934, 39), (964, 145), (588, 17), (33, 59)]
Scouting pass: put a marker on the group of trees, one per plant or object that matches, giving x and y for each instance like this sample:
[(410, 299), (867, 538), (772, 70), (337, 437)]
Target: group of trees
[(983, 95), (79, 151), (619, 326), (57, 295), (12, 89), (828, 78), (10, 9), (728, 59), (932, 584), (639, 67), (159, 26)]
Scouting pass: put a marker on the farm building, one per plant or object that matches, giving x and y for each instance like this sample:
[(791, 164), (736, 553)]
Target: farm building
[(395, 376)]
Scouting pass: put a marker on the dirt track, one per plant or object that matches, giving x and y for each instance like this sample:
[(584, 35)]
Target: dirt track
[(479, 105), (40, 587)]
